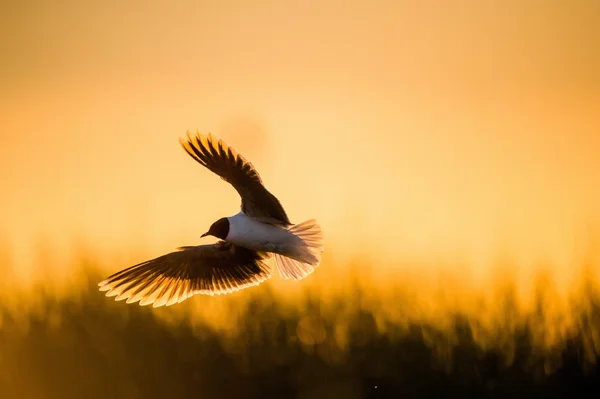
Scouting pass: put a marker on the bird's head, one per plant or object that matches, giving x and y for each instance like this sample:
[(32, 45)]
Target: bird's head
[(218, 229)]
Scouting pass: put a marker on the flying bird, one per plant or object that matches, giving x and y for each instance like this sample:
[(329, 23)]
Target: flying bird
[(261, 230)]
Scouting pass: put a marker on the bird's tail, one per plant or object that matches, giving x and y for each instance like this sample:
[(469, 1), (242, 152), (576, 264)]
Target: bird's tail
[(306, 255)]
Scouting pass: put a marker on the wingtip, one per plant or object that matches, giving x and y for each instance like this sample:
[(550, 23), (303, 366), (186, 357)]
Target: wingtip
[(104, 285), (199, 139), (184, 141), (198, 135)]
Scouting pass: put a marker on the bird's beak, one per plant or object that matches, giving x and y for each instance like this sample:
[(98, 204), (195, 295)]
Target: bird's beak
[(204, 235)]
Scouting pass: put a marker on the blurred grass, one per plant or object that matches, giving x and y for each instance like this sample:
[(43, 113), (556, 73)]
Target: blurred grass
[(83, 345)]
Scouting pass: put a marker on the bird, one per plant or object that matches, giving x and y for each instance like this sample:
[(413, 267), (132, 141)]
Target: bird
[(246, 241)]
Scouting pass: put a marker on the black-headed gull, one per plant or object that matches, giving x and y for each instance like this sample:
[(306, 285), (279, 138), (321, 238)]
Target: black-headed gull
[(246, 241)]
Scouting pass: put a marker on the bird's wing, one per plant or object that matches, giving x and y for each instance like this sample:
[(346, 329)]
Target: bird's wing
[(219, 268), (223, 160)]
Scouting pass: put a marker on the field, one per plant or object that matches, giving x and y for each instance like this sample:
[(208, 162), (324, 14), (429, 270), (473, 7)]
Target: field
[(316, 343)]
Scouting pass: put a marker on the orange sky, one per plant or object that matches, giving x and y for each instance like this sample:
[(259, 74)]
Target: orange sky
[(408, 128)]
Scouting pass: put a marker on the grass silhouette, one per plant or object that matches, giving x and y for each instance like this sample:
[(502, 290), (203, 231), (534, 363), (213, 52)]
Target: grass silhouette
[(84, 345)]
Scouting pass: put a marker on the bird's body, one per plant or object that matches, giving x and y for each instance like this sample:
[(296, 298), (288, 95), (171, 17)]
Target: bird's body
[(249, 233), (252, 234), (248, 239)]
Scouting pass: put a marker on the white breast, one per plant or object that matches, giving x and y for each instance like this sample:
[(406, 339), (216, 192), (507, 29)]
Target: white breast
[(249, 233)]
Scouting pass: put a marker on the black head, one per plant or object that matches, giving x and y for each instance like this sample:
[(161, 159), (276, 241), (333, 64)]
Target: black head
[(218, 229)]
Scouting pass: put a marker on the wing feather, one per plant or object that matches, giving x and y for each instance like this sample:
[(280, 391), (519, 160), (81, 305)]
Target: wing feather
[(213, 269), (224, 161)]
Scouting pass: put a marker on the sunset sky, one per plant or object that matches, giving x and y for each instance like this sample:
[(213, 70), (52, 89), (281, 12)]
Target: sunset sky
[(409, 129)]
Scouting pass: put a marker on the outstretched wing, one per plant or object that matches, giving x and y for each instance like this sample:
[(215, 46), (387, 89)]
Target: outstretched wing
[(223, 160), (219, 268)]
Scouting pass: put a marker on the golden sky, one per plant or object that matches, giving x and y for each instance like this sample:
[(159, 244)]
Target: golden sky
[(409, 129)]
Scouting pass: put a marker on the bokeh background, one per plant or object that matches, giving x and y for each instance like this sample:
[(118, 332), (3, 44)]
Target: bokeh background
[(449, 150)]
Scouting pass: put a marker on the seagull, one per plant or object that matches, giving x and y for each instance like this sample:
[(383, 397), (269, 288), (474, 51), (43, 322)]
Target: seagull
[(261, 230)]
